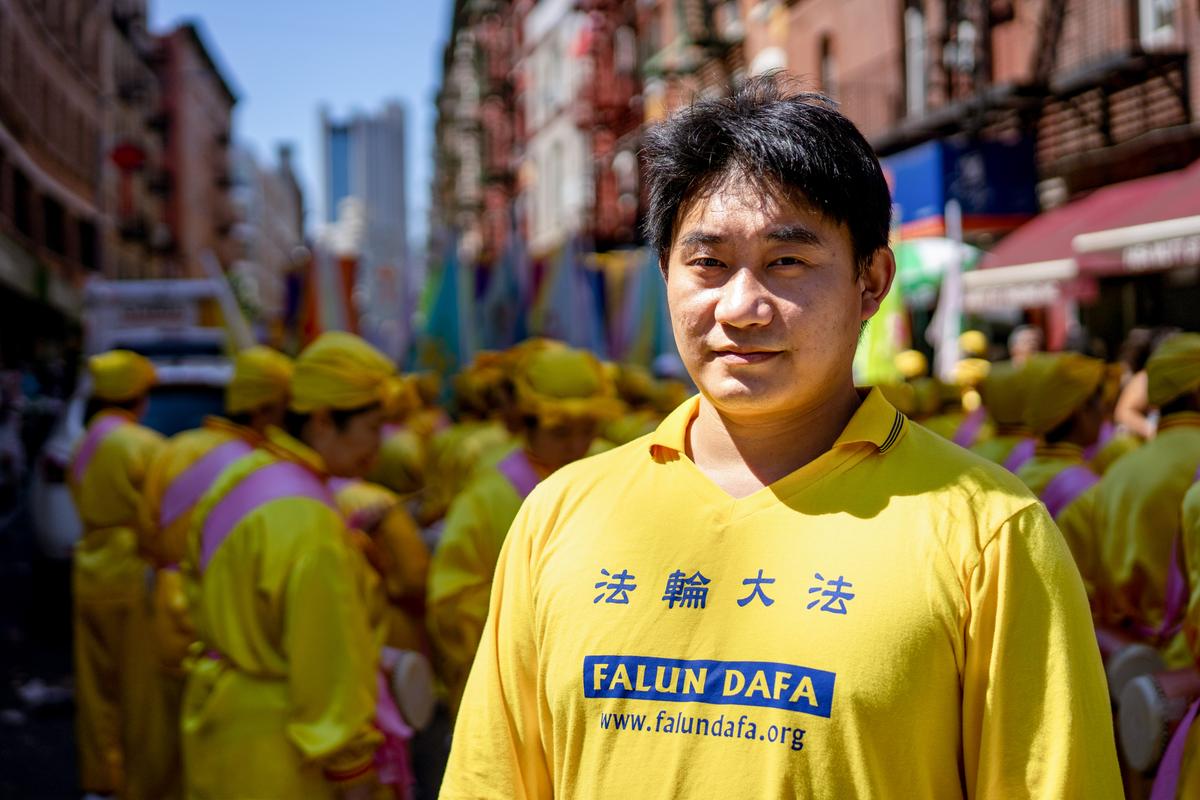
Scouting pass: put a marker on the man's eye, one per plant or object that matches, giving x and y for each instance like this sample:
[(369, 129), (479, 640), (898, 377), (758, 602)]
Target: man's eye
[(788, 261), (706, 262)]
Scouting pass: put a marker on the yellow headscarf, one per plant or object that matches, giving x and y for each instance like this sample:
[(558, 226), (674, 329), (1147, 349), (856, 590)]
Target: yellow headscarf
[(1174, 369), (558, 383), (340, 371), (401, 463), (120, 375), (261, 376), (1003, 392), (1059, 384)]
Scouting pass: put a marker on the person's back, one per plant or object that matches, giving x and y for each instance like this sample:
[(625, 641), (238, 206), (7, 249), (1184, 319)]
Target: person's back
[(105, 477), (753, 600), (1137, 508)]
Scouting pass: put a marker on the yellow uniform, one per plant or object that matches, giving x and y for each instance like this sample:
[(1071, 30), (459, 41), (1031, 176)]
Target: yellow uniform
[(398, 554), (108, 582), (1137, 520), (897, 618), (998, 448), (460, 574), (1111, 451), (456, 452), (184, 469), (1189, 781), (281, 703)]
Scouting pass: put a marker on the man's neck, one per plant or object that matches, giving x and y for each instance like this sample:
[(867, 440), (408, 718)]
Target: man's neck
[(742, 454)]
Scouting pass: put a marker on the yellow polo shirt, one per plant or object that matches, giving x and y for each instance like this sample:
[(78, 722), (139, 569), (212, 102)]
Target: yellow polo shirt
[(898, 618)]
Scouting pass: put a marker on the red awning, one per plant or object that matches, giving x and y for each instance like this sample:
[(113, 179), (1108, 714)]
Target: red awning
[(1048, 236)]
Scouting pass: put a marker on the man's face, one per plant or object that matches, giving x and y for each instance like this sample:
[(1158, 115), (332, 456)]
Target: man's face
[(558, 445), (348, 451), (764, 300)]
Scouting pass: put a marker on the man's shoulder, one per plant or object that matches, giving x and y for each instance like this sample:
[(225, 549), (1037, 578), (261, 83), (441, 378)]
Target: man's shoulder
[(934, 465)]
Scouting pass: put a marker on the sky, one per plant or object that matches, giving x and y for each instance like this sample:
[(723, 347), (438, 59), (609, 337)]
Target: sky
[(284, 58)]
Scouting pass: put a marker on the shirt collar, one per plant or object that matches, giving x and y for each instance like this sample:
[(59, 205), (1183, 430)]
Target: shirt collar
[(288, 447), (876, 422), (1180, 419), (215, 423)]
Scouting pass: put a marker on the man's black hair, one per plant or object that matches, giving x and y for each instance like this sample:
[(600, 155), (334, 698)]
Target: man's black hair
[(796, 143), (294, 421)]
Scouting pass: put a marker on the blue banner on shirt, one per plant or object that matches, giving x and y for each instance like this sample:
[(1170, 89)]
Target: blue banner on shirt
[(744, 683)]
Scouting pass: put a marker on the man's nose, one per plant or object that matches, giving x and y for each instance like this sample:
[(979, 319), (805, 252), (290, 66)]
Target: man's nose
[(745, 302)]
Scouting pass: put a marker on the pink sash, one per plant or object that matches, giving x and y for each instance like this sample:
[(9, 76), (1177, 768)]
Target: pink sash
[(276, 481), (191, 484), (1066, 486), (96, 434), (1022, 452), (968, 430), (1166, 782), (520, 472)]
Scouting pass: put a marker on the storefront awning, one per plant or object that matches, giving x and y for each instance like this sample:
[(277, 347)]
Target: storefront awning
[(1022, 286), (1050, 236)]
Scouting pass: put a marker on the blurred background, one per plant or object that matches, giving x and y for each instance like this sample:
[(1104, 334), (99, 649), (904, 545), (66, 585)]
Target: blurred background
[(456, 175)]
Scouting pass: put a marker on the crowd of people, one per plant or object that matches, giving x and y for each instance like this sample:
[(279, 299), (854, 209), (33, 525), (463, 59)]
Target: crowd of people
[(782, 585), (308, 555)]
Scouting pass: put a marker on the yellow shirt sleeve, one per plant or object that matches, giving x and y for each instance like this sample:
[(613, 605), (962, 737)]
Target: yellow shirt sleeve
[(1035, 712), (1077, 524), (498, 749), (331, 660)]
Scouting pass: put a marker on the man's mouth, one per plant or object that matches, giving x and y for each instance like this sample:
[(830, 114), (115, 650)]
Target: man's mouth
[(744, 355)]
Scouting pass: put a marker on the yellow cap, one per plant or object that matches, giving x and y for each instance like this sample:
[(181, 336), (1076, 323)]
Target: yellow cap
[(971, 371), (1174, 369), (973, 343), (261, 376), (340, 371), (558, 383), (120, 375), (1003, 392), (1058, 385), (401, 463), (912, 364)]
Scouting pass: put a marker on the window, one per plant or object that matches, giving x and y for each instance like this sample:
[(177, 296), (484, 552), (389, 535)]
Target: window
[(53, 227), (826, 68), (1158, 19), (914, 60), (22, 203)]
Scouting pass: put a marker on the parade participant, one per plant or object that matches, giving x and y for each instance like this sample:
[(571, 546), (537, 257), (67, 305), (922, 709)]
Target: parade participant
[(282, 700), (564, 395), (1064, 409), (1181, 762), (394, 549), (755, 599), (182, 472), (1114, 442), (1023, 343), (1003, 395), (1137, 505), (106, 476)]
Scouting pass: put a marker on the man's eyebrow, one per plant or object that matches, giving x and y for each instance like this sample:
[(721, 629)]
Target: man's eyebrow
[(697, 238), (796, 234)]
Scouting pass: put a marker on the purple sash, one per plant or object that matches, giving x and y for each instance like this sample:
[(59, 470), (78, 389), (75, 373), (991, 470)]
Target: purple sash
[(1166, 782), (1022, 452), (191, 484), (968, 430), (96, 434), (520, 472), (1176, 600), (1107, 432), (1066, 486), (276, 481)]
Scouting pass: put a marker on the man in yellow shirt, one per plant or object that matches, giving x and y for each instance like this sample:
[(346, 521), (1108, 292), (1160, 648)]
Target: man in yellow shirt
[(1003, 395), (1065, 409), (183, 471), (1139, 582), (106, 477), (563, 394), (282, 700), (787, 590)]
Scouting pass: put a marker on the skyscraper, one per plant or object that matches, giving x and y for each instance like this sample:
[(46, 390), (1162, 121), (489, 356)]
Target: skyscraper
[(364, 159)]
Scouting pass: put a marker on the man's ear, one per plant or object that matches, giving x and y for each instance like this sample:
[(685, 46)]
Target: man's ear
[(876, 281)]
